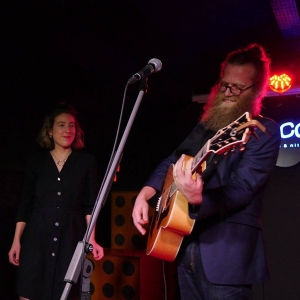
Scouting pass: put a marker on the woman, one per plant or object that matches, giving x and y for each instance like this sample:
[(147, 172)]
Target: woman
[(58, 197)]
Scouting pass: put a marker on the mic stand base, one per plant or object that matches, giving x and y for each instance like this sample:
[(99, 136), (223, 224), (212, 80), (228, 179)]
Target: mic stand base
[(74, 269)]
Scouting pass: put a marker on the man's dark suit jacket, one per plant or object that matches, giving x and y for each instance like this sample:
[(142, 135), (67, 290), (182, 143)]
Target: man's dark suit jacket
[(228, 222)]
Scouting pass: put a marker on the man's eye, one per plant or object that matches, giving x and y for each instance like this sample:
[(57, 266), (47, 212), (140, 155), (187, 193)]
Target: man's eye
[(235, 88)]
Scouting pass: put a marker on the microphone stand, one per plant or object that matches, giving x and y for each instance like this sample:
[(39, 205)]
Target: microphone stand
[(82, 248)]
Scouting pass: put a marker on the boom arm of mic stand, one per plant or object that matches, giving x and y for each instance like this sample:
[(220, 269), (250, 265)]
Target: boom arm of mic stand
[(74, 269)]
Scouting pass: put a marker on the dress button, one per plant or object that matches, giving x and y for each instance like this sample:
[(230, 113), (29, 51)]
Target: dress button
[(58, 179), (58, 193), (55, 239), (53, 254), (56, 224)]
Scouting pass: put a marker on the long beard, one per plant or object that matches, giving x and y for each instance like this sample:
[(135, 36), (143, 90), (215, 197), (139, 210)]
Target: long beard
[(217, 116)]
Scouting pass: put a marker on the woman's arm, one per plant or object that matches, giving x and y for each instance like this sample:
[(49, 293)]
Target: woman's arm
[(14, 252), (98, 251)]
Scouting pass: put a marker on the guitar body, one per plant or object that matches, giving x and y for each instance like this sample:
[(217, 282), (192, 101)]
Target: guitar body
[(170, 223)]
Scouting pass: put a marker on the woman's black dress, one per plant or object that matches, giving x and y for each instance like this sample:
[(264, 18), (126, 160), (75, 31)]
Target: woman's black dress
[(53, 205)]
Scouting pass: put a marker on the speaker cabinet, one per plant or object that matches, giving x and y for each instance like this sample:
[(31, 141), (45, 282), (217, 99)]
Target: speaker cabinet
[(132, 275), (124, 235)]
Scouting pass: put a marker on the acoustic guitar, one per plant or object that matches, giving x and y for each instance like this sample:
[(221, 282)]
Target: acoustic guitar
[(171, 221)]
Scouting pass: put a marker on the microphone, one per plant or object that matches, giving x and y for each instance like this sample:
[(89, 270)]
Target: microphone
[(154, 65)]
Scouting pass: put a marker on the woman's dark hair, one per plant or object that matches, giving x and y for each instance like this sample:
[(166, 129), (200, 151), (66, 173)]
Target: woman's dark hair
[(44, 139)]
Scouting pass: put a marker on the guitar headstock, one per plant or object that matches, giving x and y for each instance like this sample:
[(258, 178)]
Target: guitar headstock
[(234, 135)]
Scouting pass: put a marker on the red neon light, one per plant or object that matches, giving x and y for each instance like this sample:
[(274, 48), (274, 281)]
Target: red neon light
[(280, 83)]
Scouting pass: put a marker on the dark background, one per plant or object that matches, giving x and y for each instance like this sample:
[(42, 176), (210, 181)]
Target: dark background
[(83, 52)]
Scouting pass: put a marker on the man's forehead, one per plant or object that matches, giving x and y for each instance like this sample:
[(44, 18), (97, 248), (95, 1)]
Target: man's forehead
[(238, 74)]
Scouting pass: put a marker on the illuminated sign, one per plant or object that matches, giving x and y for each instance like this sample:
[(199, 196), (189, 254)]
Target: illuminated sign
[(289, 129), (289, 152)]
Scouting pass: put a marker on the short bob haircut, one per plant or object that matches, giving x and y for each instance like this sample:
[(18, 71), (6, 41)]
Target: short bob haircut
[(44, 139)]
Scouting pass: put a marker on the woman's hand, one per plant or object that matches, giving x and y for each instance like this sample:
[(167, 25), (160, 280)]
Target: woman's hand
[(14, 253), (98, 251)]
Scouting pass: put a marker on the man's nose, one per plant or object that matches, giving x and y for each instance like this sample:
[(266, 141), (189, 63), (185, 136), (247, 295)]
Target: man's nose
[(228, 92)]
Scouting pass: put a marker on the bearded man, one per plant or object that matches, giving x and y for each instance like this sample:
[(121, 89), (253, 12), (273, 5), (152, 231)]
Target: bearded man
[(224, 254)]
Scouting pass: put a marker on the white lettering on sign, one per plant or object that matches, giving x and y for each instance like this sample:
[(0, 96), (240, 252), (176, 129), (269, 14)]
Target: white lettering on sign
[(289, 129), (292, 145)]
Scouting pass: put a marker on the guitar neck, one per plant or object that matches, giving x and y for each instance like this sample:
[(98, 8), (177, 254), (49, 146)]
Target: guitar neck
[(201, 157)]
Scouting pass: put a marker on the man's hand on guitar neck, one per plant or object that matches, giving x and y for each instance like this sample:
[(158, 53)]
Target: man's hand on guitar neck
[(190, 185), (141, 208)]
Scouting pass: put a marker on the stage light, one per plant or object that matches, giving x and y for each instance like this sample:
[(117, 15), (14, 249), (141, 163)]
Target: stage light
[(280, 83)]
